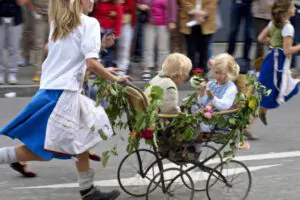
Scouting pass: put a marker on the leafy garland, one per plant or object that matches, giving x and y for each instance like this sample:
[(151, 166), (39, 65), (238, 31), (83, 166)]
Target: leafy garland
[(144, 124)]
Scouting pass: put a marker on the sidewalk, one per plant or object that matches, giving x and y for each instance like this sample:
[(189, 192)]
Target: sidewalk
[(27, 88)]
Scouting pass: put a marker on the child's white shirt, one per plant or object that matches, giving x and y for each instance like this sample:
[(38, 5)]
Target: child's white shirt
[(64, 67), (222, 100), (75, 123)]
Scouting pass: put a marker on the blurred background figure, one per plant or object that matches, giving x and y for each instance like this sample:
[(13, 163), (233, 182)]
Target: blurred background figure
[(40, 24), (296, 23), (27, 39), (125, 40), (109, 13), (159, 17), (198, 23), (178, 43), (261, 10), (241, 10), (10, 34)]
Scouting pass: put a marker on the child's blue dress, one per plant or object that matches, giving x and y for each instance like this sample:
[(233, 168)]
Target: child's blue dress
[(271, 76), (30, 125)]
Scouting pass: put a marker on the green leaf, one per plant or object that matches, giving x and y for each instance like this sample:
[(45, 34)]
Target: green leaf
[(228, 154), (102, 134), (232, 121), (105, 158)]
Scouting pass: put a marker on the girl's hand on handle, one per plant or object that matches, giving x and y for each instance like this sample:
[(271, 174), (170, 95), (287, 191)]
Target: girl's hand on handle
[(124, 78)]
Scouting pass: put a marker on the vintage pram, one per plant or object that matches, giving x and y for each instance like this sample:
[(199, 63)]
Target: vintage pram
[(153, 174)]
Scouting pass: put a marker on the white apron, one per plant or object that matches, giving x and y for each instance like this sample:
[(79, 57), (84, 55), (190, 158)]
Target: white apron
[(75, 123)]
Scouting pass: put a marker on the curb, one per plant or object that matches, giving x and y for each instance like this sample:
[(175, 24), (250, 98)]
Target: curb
[(30, 90)]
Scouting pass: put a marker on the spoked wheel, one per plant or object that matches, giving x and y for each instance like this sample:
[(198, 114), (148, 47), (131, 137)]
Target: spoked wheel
[(135, 172), (171, 187), (234, 183), (199, 175)]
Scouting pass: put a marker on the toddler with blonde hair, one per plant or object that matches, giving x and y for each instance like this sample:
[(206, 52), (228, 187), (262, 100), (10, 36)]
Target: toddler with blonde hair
[(221, 91), (175, 71)]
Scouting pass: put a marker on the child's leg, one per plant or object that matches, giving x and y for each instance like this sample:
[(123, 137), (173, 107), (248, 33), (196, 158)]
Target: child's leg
[(263, 115), (86, 181), (10, 155)]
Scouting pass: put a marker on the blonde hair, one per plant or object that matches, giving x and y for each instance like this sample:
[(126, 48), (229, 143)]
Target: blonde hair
[(65, 17), (176, 65), (226, 64)]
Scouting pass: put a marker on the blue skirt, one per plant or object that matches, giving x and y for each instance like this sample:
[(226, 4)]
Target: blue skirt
[(30, 125), (266, 78)]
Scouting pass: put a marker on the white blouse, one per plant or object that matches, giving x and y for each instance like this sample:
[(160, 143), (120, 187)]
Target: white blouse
[(224, 95), (64, 66)]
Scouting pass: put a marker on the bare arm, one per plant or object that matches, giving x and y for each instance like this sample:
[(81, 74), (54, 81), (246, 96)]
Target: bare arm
[(264, 36), (287, 46), (93, 65)]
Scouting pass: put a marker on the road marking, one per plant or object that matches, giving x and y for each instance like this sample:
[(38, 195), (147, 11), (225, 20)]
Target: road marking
[(133, 180), (138, 181)]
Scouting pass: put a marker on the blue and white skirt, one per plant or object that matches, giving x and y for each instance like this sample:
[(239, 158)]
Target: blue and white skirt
[(275, 75), (59, 124), (30, 125)]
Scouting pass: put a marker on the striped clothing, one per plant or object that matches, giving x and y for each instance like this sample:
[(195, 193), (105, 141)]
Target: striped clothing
[(40, 6)]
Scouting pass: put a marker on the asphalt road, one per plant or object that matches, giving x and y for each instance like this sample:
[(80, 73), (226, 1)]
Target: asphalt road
[(274, 161)]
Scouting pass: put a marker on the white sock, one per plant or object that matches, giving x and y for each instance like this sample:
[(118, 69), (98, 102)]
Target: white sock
[(86, 179), (8, 155)]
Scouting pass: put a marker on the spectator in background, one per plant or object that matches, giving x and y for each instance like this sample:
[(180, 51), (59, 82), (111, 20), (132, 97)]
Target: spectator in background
[(202, 14), (296, 23), (27, 39), (10, 35), (125, 40), (178, 44), (109, 13), (240, 9), (161, 19), (138, 38), (261, 10), (40, 23)]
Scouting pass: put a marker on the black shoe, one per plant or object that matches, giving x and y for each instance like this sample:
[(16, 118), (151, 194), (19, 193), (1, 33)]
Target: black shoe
[(250, 136), (263, 118), (21, 168), (97, 195)]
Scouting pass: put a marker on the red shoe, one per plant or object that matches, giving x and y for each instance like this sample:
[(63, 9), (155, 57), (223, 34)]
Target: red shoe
[(21, 168), (94, 157)]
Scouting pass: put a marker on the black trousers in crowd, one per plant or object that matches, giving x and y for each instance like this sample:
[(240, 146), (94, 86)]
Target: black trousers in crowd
[(197, 47)]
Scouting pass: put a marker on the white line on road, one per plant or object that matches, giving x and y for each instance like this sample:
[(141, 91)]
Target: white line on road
[(114, 182)]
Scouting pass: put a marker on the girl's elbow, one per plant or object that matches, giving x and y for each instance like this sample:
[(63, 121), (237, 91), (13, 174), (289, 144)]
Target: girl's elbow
[(90, 65)]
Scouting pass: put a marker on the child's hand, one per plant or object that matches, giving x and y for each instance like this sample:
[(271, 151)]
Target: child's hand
[(112, 14), (123, 78), (108, 40), (202, 88), (200, 16), (172, 26), (209, 93)]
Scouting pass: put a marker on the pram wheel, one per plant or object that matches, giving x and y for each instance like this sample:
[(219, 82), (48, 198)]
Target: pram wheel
[(199, 174), (234, 183), (135, 172), (170, 186)]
